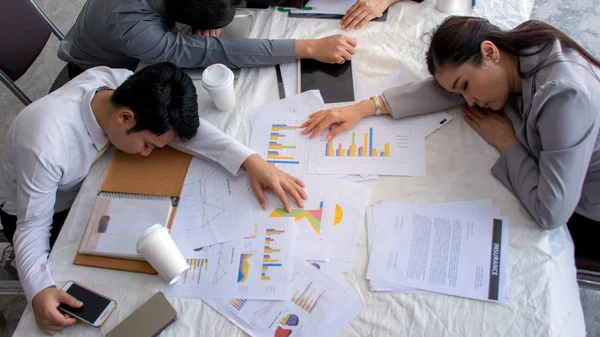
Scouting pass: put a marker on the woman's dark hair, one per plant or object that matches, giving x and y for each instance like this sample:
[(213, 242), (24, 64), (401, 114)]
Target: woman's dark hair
[(202, 14), (458, 40), (162, 98)]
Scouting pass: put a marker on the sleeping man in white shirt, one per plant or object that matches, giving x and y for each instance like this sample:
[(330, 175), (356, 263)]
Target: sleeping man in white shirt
[(53, 142)]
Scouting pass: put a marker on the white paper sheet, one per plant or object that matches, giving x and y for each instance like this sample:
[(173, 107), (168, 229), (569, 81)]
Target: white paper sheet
[(478, 207), (289, 76), (332, 213), (214, 207), (256, 267), (276, 134), (374, 146), (435, 249), (316, 306), (312, 250)]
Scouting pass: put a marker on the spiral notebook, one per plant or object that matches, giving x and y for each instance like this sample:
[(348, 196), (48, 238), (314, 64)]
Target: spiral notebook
[(133, 187), (119, 219)]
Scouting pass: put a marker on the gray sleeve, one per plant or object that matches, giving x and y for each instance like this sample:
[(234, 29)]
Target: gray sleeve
[(418, 98), (550, 187), (151, 41)]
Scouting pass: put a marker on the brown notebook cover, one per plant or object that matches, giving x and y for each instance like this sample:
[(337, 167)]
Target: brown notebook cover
[(161, 173)]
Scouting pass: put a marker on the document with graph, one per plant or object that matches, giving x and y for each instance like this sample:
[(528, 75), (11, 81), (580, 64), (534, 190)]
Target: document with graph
[(276, 132), (255, 267), (332, 213), (214, 207), (317, 305), (379, 146)]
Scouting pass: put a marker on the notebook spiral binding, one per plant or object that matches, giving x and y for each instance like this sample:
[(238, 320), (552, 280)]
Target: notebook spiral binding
[(122, 195)]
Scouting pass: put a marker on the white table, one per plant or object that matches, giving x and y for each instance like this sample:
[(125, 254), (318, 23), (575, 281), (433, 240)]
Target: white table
[(544, 297)]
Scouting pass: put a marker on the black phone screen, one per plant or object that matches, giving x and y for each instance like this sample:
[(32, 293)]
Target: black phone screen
[(93, 304), (335, 81)]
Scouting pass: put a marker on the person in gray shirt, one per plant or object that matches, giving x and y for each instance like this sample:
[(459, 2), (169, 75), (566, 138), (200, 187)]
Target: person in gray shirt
[(120, 33), (532, 93)]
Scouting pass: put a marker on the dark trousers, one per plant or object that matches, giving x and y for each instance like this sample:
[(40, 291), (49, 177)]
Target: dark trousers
[(585, 233), (9, 224)]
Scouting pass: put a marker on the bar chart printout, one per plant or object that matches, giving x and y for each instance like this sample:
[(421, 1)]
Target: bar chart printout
[(197, 268), (360, 146), (307, 298), (379, 146), (272, 253), (282, 148)]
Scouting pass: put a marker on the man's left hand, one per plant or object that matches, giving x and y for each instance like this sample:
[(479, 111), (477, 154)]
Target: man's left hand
[(264, 175)]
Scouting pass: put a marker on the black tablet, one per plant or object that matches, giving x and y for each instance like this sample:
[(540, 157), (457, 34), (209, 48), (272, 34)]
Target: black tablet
[(335, 81)]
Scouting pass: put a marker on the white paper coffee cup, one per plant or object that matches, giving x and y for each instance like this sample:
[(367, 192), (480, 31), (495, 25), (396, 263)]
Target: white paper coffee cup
[(158, 248), (217, 79), (445, 6)]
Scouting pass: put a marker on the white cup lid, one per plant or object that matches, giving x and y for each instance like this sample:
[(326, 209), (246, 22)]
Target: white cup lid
[(217, 75), (147, 233)]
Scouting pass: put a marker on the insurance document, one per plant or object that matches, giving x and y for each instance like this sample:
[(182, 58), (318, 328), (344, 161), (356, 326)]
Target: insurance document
[(438, 250)]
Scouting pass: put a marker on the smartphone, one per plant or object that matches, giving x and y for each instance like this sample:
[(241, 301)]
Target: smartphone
[(149, 320), (95, 309)]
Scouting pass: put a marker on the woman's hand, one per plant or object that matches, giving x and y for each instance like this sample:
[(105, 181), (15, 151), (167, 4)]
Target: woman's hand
[(206, 32), (363, 11), (346, 117), (493, 126)]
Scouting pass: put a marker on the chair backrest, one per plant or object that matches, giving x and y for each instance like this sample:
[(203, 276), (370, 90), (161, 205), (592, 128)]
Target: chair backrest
[(23, 35)]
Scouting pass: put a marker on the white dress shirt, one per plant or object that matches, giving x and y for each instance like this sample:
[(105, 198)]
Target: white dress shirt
[(48, 152)]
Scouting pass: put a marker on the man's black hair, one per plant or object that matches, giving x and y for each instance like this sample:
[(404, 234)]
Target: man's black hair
[(202, 14), (162, 98)]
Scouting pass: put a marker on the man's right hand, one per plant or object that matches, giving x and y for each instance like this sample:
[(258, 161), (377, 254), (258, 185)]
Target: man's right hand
[(332, 49), (47, 316)]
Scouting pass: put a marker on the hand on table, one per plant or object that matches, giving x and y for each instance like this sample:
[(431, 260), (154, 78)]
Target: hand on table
[(346, 118), (264, 175), (47, 316), (363, 11), (493, 126), (206, 32), (335, 49)]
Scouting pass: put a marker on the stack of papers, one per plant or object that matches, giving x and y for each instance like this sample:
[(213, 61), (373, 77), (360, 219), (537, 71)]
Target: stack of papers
[(457, 248), (317, 305)]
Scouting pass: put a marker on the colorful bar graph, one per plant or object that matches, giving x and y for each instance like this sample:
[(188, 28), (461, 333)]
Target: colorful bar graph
[(196, 268), (277, 145), (366, 150), (237, 303), (270, 259), (305, 299)]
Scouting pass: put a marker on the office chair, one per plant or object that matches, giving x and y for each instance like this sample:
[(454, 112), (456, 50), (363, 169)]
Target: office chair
[(24, 31)]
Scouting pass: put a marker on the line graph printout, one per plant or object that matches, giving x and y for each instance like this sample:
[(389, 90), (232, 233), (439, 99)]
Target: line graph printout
[(315, 300), (373, 146), (214, 207), (255, 267), (276, 132)]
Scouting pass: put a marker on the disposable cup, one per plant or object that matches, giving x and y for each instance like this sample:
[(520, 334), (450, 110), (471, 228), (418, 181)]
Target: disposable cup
[(158, 248), (446, 6), (217, 79)]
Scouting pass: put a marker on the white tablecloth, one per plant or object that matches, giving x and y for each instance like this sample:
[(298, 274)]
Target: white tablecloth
[(544, 297)]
